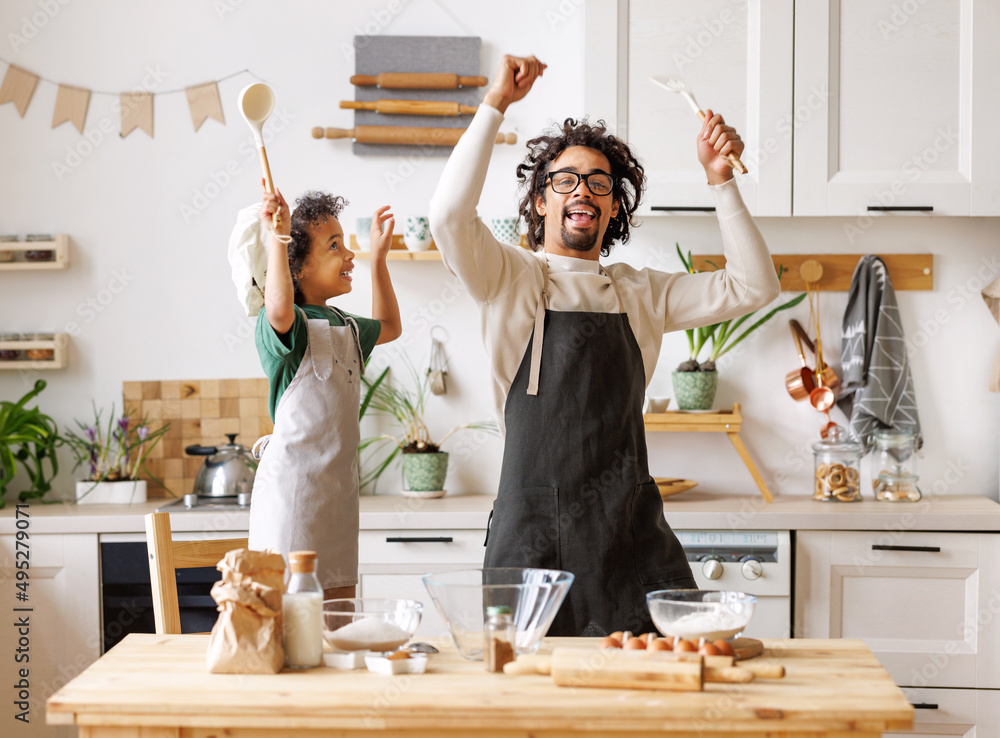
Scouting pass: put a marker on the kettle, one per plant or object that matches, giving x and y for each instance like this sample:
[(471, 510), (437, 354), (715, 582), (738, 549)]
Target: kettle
[(227, 472)]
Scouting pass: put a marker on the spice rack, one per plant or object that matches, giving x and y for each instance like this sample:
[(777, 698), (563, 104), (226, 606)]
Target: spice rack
[(59, 347), (717, 421), (58, 245)]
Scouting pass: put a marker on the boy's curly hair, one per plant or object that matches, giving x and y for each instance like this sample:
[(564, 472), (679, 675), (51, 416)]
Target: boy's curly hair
[(628, 174), (312, 209)]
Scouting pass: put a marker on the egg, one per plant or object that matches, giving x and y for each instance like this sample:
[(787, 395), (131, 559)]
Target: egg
[(682, 645), (617, 635), (633, 644), (659, 644), (725, 647), (670, 642), (709, 650), (610, 642)]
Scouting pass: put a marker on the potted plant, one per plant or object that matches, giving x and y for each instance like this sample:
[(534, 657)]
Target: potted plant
[(695, 382), (28, 438), (425, 465), (113, 454)]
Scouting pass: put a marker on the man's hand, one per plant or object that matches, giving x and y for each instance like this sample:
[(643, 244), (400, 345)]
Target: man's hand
[(514, 79), (715, 141), (381, 233), (271, 203)]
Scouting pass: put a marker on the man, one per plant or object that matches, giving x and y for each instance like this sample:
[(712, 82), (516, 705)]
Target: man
[(573, 345)]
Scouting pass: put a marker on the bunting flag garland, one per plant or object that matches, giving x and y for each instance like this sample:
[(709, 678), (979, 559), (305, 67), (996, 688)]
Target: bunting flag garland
[(18, 87), (73, 102), (71, 105), (204, 102)]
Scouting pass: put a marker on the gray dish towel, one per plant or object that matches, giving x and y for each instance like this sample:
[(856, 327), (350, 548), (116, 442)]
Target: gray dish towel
[(877, 390)]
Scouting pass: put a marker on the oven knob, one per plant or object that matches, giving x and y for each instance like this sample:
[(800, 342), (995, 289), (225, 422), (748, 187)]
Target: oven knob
[(751, 568), (711, 567)]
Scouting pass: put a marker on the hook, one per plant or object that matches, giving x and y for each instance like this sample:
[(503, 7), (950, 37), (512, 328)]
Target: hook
[(811, 271), (439, 328)]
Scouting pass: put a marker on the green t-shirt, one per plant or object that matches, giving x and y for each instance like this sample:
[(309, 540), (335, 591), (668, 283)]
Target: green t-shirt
[(281, 355)]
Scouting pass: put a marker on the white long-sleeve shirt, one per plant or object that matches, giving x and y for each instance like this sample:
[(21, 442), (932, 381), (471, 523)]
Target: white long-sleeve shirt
[(506, 281)]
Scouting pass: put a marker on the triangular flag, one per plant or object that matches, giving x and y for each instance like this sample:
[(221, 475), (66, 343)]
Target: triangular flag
[(18, 87), (203, 100), (71, 105), (137, 112)]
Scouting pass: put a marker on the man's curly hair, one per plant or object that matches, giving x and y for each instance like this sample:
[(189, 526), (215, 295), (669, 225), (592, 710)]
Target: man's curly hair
[(312, 209), (628, 174)]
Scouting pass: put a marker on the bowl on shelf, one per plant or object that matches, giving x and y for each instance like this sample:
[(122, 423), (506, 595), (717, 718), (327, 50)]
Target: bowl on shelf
[(370, 624), (533, 595), (693, 613)]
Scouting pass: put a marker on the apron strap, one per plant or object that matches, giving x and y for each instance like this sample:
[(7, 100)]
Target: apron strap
[(355, 334), (543, 304), (320, 347)]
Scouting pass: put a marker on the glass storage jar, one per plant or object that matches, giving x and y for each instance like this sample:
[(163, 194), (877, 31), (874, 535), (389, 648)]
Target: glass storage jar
[(6, 255), (39, 254), (6, 353), (895, 460), (837, 468), (39, 353)]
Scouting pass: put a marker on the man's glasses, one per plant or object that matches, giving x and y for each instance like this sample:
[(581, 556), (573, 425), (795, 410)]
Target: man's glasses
[(566, 182)]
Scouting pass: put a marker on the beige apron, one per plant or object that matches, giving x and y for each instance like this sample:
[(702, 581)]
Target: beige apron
[(305, 493)]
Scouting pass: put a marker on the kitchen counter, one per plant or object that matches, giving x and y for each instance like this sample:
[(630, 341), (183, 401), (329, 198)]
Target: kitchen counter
[(159, 683), (692, 510)]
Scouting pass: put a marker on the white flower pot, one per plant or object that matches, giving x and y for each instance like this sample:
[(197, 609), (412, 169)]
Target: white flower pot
[(111, 493)]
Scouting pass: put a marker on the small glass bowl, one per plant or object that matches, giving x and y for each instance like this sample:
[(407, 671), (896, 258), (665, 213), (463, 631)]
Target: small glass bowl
[(693, 613), (370, 624)]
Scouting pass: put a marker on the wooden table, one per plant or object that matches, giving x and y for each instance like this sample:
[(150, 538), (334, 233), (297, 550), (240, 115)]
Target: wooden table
[(832, 688)]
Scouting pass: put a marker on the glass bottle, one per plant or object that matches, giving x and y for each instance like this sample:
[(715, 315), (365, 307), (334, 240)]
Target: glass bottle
[(302, 607), (498, 637), (896, 461), (837, 468)]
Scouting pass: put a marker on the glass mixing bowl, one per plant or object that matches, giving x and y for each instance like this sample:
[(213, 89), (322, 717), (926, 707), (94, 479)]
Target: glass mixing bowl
[(693, 613), (370, 624), (533, 595)]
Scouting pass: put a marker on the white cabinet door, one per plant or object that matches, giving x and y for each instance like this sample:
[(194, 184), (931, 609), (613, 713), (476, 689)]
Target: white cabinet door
[(926, 604), (63, 632), (970, 713), (906, 96), (737, 60)]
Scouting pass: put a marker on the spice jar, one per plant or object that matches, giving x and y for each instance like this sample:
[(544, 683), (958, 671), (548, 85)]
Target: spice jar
[(6, 255), (302, 610), (40, 353), (837, 468), (39, 254), (896, 460), (498, 632), (9, 354)]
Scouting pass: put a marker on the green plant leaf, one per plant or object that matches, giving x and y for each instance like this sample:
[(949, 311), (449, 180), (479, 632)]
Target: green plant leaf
[(790, 304)]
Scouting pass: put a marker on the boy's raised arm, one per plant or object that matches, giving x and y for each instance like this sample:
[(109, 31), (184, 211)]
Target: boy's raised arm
[(385, 309), (279, 295)]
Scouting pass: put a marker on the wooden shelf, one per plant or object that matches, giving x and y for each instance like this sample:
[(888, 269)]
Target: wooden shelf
[(716, 421), (60, 245), (59, 360), (907, 271), (399, 252)]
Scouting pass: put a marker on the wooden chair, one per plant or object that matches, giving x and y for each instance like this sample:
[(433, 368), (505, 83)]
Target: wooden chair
[(166, 556)]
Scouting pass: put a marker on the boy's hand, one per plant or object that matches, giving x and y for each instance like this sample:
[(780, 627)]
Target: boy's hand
[(514, 79), (381, 233), (715, 141), (269, 205)]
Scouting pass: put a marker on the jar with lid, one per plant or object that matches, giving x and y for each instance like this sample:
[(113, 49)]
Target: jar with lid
[(39, 254), (40, 353), (302, 610), (837, 468), (6, 255), (7, 353), (498, 632), (895, 459)]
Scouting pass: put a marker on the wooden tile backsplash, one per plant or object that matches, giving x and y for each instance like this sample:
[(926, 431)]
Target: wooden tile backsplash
[(199, 411)]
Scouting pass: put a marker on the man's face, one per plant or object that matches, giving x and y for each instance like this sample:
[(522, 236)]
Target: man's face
[(576, 221)]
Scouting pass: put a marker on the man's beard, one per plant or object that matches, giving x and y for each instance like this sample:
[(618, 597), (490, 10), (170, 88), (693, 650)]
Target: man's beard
[(580, 240)]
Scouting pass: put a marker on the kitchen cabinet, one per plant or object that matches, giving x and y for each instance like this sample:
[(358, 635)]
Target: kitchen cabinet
[(927, 604), (847, 107), (391, 563), (63, 615), (950, 712)]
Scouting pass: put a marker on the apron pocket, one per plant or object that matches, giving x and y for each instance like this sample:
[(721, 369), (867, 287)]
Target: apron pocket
[(658, 554), (524, 529)]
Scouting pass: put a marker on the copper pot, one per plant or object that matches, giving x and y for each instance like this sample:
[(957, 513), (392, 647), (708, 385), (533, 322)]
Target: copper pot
[(801, 382)]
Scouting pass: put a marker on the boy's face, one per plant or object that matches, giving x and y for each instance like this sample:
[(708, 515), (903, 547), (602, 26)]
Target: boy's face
[(327, 271)]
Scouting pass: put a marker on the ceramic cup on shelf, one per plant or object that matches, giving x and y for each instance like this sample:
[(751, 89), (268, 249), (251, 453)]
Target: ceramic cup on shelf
[(417, 233), (363, 233), (505, 230)]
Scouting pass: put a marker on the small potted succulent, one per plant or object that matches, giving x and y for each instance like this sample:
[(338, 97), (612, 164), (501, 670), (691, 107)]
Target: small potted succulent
[(425, 465), (28, 439), (695, 382), (113, 454)]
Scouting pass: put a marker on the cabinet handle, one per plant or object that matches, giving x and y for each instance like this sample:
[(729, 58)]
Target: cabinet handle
[(901, 208), (925, 549), (419, 539), (700, 209), (924, 705)]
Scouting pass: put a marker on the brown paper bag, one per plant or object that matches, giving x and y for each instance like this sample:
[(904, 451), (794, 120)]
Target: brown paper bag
[(246, 638)]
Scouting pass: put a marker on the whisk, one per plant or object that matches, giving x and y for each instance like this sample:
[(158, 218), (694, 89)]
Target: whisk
[(676, 85)]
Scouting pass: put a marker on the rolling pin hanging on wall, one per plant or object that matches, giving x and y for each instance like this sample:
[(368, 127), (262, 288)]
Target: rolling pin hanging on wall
[(417, 136), (417, 81), (411, 107)]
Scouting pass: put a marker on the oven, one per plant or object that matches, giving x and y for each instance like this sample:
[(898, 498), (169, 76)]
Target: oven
[(756, 562)]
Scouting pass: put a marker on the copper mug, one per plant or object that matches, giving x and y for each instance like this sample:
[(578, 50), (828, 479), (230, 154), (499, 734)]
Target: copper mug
[(801, 382)]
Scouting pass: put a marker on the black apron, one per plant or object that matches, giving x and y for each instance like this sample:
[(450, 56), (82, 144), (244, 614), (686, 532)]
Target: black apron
[(575, 492)]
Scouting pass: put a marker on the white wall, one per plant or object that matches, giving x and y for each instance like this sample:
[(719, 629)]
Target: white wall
[(178, 318)]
